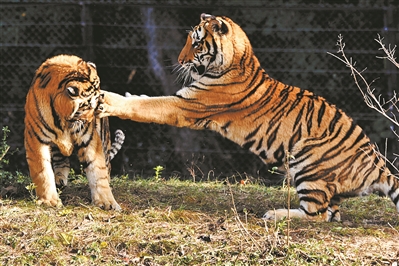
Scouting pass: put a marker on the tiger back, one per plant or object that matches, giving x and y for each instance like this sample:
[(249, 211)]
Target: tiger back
[(60, 117), (329, 157)]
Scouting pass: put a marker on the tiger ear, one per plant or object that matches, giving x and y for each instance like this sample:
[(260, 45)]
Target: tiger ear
[(219, 26), (81, 65)]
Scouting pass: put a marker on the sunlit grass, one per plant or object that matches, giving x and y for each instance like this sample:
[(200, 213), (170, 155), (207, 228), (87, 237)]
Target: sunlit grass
[(173, 222)]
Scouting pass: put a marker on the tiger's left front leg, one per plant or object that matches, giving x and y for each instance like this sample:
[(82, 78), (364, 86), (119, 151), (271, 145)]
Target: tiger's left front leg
[(170, 110), (93, 159)]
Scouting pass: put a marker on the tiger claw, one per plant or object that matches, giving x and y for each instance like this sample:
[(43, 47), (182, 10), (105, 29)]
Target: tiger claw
[(100, 111), (101, 97), (107, 207)]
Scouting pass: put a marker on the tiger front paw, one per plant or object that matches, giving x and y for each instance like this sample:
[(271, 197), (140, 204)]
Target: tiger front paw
[(47, 195), (101, 110), (105, 201), (51, 201), (110, 104)]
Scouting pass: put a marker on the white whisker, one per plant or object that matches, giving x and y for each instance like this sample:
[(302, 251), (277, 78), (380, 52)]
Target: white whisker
[(184, 74)]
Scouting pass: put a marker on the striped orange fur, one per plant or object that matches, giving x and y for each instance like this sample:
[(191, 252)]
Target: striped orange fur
[(330, 159), (59, 118)]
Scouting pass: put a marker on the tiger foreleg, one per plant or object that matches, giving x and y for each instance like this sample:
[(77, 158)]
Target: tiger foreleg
[(42, 175), (113, 104), (97, 173), (169, 110)]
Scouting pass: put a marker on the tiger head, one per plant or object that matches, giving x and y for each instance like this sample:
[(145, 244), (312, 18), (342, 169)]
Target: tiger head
[(70, 87), (213, 46)]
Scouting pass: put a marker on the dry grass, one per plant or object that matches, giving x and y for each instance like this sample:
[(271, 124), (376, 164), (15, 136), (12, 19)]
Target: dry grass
[(185, 223)]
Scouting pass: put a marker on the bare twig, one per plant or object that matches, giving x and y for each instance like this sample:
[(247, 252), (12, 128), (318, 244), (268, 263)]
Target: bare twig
[(288, 180), (390, 52), (386, 108), (240, 223), (376, 103)]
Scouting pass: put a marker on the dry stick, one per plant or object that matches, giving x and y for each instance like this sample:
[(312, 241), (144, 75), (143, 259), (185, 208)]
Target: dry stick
[(239, 221), (390, 52), (288, 180), (370, 99), (393, 228), (4, 153)]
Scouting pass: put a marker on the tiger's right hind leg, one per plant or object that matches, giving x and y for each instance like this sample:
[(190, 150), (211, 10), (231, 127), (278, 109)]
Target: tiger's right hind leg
[(61, 166), (333, 209), (314, 202), (300, 213)]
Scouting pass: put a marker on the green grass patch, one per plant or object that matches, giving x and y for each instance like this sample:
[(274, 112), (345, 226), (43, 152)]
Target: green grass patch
[(173, 222)]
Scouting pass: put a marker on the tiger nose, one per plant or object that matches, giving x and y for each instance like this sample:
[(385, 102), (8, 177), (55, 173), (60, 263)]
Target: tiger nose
[(181, 60)]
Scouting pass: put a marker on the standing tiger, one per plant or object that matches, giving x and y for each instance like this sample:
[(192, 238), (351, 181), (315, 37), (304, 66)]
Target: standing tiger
[(60, 117), (330, 157)]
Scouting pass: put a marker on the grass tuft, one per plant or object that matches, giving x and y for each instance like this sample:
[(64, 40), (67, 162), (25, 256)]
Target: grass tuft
[(173, 222)]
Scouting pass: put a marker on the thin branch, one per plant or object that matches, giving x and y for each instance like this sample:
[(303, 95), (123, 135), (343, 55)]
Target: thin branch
[(287, 169), (390, 52), (371, 100), (377, 103), (241, 225)]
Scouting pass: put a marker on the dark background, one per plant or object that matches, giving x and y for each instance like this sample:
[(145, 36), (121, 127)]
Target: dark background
[(291, 38)]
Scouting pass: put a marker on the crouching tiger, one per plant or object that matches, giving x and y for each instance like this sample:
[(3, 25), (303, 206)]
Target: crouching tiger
[(332, 159), (60, 117)]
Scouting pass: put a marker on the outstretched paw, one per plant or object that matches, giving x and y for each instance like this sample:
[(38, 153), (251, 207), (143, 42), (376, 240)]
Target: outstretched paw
[(101, 107), (111, 104)]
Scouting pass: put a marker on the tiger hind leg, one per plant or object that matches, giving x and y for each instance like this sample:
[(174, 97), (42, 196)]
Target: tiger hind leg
[(93, 159), (299, 213), (314, 205), (333, 210)]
